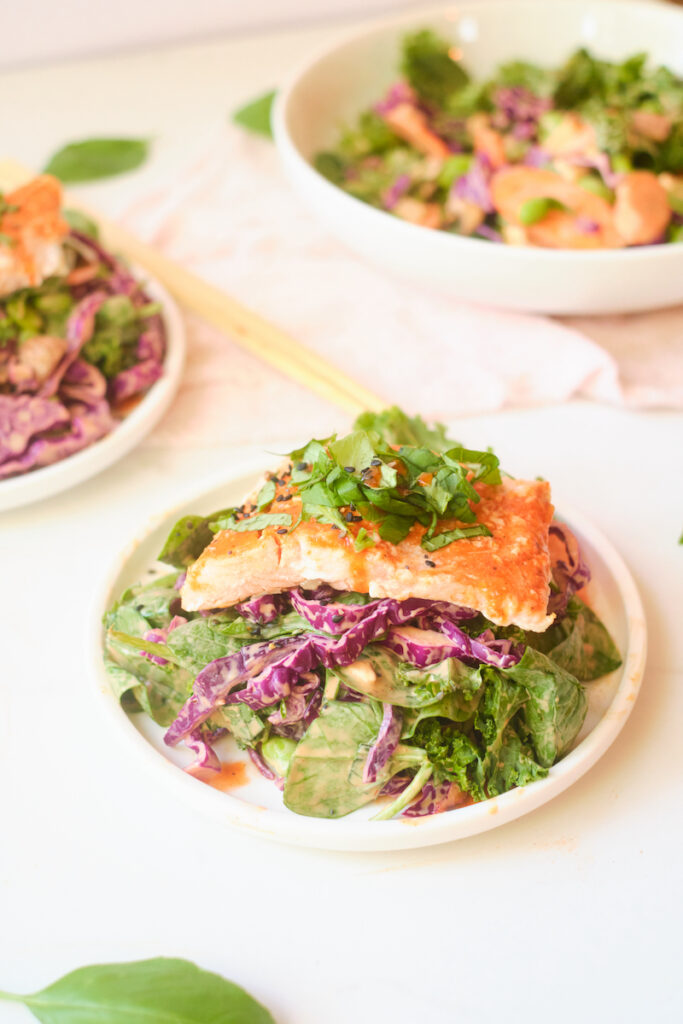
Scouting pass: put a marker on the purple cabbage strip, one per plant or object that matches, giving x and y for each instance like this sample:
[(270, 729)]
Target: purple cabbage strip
[(425, 647), (520, 108), (134, 380), (83, 382), (599, 162), (484, 231), (23, 416), (396, 784), (206, 758), (398, 93), (160, 636), (536, 156), (569, 571), (294, 730), (587, 225), (266, 608), (264, 768), (434, 799), (334, 617), (298, 700), (79, 330), (392, 195), (87, 426), (474, 186), (382, 750)]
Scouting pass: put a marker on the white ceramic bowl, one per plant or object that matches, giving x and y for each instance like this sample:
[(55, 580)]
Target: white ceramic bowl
[(43, 483), (334, 87), (256, 806)]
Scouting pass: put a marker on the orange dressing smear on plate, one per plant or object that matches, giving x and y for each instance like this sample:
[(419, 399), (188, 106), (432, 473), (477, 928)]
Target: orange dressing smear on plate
[(231, 775)]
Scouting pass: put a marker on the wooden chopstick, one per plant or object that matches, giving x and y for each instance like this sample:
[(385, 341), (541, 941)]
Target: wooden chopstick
[(242, 325)]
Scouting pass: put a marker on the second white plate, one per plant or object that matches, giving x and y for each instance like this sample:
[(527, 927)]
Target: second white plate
[(43, 483)]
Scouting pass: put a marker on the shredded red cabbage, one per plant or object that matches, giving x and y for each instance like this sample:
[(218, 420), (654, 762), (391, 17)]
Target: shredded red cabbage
[(45, 420), (382, 750), (474, 186), (569, 570), (435, 798)]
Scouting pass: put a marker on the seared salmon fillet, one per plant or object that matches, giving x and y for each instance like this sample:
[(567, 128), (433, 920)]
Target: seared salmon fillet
[(506, 576), (32, 225)]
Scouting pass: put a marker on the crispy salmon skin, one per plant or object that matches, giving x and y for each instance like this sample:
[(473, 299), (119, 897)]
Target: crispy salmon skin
[(506, 576)]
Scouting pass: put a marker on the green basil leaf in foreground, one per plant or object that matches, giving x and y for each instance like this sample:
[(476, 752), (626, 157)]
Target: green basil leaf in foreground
[(255, 116), (162, 990), (92, 159)]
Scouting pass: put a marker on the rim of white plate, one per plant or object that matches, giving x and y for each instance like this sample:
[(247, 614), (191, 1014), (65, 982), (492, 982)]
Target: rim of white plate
[(403, 833), (75, 469)]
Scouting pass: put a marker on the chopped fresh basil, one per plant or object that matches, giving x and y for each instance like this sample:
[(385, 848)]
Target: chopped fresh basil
[(393, 471), (460, 533), (259, 522)]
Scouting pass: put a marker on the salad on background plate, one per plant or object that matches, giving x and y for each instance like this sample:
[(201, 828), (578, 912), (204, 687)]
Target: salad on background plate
[(80, 339), (585, 156), (388, 619)]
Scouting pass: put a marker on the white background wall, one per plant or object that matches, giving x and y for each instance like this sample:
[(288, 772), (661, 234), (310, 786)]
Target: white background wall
[(39, 30)]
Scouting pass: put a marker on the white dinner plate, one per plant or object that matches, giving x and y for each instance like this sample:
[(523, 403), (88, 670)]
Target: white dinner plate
[(42, 483), (256, 806)]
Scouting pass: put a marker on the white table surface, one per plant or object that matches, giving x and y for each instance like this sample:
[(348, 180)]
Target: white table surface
[(570, 914)]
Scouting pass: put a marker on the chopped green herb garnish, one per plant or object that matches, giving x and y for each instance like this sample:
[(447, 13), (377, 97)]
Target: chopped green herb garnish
[(377, 478), (259, 522)]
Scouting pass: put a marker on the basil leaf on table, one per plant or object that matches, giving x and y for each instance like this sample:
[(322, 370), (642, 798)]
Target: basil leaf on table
[(163, 990), (92, 159), (255, 115)]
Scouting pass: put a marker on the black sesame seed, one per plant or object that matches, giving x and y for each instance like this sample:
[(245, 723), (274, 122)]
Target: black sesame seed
[(428, 561), (282, 529), (349, 517), (337, 618), (356, 519), (349, 469), (375, 462)]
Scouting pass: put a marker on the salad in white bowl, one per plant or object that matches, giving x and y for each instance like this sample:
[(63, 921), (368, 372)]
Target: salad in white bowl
[(554, 129)]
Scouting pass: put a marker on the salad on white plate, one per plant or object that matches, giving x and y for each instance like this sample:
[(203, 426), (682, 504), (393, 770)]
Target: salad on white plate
[(389, 619), (81, 339)]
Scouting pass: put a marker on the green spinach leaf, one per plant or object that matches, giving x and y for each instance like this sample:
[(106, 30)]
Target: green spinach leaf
[(431, 68), (579, 643), (188, 538)]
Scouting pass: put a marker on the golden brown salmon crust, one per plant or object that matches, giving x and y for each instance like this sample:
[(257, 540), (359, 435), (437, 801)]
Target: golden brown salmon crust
[(505, 576)]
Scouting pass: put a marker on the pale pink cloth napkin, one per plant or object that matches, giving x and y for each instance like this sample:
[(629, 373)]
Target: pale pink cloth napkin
[(231, 218)]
